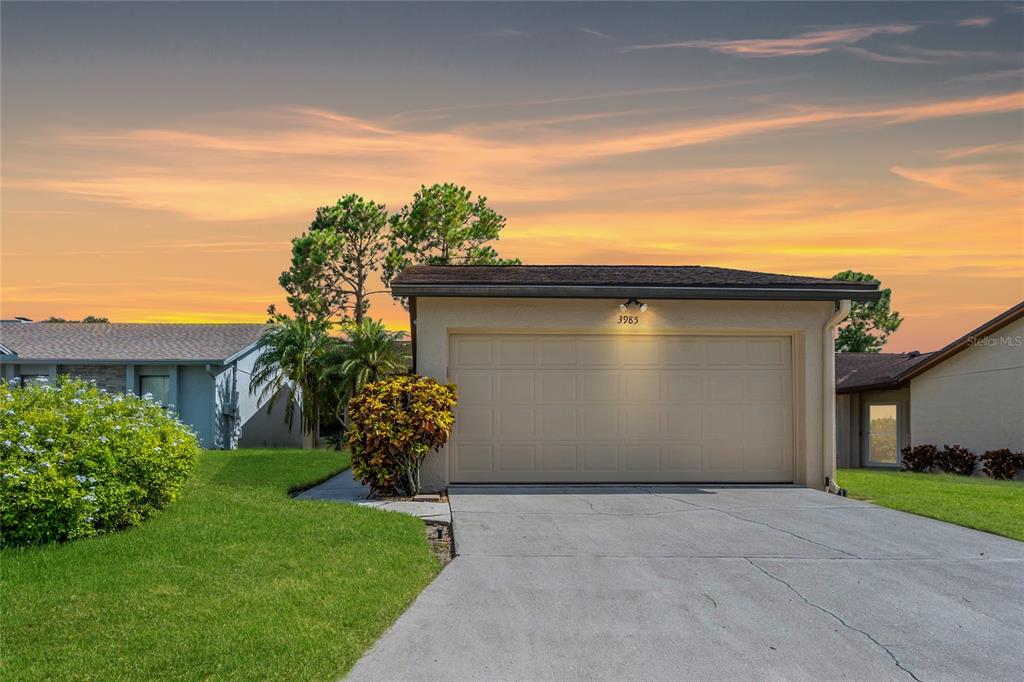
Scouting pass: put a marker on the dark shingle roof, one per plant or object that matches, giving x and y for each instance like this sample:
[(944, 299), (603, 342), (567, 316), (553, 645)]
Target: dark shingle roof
[(863, 371), (611, 275), (659, 281), (35, 341)]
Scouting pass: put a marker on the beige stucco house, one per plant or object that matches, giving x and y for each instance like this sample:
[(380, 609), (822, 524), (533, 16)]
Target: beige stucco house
[(630, 373), (969, 393)]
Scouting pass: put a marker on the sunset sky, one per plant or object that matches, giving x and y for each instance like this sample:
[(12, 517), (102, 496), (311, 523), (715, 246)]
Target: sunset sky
[(158, 158)]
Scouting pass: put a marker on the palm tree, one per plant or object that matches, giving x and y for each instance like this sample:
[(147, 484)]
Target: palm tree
[(370, 353), (292, 362)]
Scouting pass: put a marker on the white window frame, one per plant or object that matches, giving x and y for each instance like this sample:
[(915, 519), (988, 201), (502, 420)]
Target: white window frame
[(156, 376), (867, 433)]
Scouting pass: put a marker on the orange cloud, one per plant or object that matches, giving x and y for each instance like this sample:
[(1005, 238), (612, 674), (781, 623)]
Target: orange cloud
[(802, 45)]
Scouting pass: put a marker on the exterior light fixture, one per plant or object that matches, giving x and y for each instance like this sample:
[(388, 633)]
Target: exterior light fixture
[(639, 306)]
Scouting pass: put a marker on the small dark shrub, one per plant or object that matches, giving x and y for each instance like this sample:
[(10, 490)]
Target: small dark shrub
[(954, 459), (76, 461), (394, 424), (919, 457), (1003, 464)]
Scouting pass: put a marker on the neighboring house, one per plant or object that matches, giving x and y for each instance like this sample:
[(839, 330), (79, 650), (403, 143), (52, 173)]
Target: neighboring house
[(630, 373), (969, 393), (202, 370)]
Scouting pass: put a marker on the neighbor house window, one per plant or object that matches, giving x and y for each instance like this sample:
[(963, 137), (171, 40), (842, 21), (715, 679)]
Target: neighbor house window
[(883, 433), (158, 386)]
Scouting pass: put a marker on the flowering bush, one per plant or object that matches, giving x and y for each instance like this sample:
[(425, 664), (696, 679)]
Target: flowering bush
[(394, 424), (76, 461)]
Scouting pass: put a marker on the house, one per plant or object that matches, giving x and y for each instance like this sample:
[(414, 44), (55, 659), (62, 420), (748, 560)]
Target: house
[(202, 370), (969, 393), (580, 374)]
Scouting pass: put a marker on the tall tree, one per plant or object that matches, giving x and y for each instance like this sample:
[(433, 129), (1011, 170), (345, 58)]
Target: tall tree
[(444, 226), (869, 324), (332, 262)]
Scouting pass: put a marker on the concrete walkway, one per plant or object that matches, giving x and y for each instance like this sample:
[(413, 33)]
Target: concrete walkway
[(708, 583), (345, 488)]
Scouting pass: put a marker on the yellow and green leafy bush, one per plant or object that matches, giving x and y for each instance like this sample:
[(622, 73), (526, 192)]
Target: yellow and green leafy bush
[(394, 424)]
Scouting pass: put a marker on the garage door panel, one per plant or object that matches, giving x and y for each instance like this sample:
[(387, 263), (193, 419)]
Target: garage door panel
[(472, 351), (560, 458), (516, 387), (599, 458), (642, 421), (768, 352), (591, 408), (683, 422), (471, 459), (558, 422), (514, 422), (643, 387), (517, 457), (642, 458), (598, 351), (600, 421), (474, 422), (599, 387), (557, 352), (474, 387), (683, 387), (558, 387)]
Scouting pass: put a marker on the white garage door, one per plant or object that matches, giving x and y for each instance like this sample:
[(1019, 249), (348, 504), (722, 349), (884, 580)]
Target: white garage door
[(603, 408)]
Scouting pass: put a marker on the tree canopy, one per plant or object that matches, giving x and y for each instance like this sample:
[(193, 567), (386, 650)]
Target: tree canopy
[(333, 261), (444, 226), (869, 325)]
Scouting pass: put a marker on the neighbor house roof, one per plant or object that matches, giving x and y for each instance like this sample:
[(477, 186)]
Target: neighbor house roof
[(949, 350), (613, 281), (83, 342), (873, 371)]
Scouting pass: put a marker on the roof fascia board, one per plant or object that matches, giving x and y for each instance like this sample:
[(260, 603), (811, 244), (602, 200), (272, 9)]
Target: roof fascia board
[(96, 361), (652, 292), (241, 354), (995, 324)]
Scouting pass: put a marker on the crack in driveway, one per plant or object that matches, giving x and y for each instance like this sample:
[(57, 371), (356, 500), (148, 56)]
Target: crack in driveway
[(838, 618), (759, 523)]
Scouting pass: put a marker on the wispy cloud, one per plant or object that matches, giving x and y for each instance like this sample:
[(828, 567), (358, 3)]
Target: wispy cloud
[(503, 33), (594, 33), (984, 181), (1001, 148), (987, 76), (975, 22), (801, 45), (886, 58)]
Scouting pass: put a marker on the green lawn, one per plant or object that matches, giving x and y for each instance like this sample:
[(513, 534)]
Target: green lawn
[(235, 580), (992, 506)]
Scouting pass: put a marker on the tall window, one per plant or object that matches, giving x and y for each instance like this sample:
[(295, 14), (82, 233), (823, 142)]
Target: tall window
[(883, 434), (158, 386)]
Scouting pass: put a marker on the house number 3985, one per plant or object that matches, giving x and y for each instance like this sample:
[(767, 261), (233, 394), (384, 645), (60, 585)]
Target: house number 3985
[(629, 319)]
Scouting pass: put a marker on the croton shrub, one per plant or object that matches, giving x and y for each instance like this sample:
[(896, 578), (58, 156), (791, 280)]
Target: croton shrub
[(919, 457), (393, 424), (76, 461), (1002, 464)]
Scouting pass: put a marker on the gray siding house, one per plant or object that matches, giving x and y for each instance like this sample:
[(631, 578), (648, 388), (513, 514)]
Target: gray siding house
[(969, 393), (200, 370)]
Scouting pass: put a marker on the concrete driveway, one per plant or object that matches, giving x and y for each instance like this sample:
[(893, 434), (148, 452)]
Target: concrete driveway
[(724, 583)]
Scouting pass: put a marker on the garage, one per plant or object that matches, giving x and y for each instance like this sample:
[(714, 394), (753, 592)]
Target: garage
[(630, 374), (615, 408)]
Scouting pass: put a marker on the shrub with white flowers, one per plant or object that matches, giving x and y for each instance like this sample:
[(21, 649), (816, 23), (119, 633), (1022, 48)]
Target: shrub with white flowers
[(76, 461)]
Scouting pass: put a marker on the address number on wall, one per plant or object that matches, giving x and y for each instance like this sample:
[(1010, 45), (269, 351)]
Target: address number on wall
[(629, 319)]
